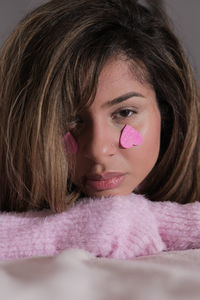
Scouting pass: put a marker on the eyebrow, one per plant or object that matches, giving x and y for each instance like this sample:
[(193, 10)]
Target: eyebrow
[(122, 98)]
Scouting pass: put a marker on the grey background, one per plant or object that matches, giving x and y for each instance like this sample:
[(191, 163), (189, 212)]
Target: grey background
[(184, 14)]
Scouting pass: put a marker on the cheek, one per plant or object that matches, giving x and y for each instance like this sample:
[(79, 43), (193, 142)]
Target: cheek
[(143, 158), (151, 145), (80, 168), (151, 135), (150, 153)]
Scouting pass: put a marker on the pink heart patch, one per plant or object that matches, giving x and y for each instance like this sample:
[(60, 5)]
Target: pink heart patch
[(130, 137), (70, 143)]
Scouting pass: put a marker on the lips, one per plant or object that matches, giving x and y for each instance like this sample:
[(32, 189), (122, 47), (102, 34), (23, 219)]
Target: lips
[(104, 181)]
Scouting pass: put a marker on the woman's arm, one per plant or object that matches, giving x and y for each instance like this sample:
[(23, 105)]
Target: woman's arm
[(179, 225), (117, 227)]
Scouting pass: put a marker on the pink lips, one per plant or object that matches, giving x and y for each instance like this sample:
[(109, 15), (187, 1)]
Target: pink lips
[(105, 181)]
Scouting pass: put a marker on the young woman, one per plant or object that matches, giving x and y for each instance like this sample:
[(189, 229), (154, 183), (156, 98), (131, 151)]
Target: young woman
[(98, 100)]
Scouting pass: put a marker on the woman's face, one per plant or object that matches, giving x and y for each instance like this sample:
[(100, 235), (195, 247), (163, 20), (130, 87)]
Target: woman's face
[(102, 166)]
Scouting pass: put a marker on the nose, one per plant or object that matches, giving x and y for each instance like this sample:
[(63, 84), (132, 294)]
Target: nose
[(99, 141)]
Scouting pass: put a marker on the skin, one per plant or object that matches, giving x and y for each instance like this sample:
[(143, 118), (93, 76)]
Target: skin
[(98, 133)]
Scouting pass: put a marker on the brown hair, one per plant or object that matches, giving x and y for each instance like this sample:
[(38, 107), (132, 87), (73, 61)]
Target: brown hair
[(49, 69)]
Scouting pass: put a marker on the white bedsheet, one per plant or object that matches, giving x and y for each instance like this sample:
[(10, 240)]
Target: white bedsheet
[(77, 274)]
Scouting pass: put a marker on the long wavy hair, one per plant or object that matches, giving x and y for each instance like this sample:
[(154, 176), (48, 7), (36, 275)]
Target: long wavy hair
[(49, 69)]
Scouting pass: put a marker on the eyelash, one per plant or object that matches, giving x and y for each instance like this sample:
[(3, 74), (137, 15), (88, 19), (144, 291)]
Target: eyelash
[(124, 110), (115, 115)]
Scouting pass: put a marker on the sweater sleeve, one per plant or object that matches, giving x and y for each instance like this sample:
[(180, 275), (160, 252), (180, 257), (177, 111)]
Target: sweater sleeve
[(117, 227), (179, 224)]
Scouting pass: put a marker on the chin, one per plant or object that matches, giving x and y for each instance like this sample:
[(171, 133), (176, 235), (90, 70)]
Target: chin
[(106, 193)]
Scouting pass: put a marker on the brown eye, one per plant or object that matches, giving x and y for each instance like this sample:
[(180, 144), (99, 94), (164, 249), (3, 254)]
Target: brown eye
[(124, 113)]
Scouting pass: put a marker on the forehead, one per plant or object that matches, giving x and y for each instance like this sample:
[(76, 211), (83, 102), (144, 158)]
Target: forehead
[(118, 78), (114, 70)]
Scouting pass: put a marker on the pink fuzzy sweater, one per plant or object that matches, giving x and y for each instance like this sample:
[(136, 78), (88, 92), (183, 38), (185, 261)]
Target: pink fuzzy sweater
[(119, 227)]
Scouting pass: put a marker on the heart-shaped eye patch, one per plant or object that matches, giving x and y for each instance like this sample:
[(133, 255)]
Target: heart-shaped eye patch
[(70, 143), (130, 137)]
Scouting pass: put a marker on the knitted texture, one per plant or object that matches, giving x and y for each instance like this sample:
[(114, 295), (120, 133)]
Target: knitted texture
[(121, 227)]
